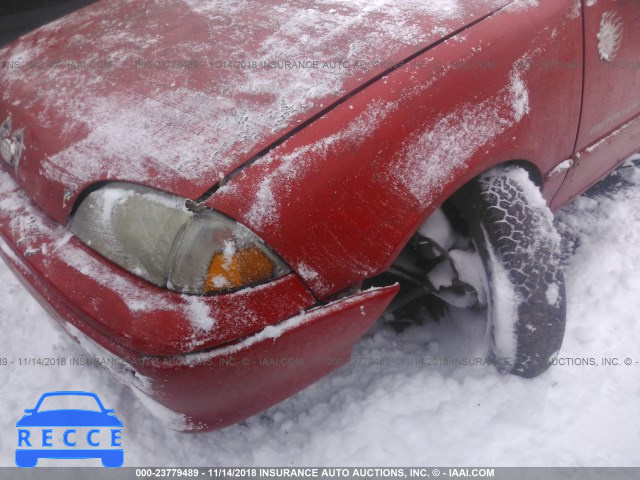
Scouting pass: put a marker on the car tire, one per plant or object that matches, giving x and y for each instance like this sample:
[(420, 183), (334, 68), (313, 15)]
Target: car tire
[(512, 229)]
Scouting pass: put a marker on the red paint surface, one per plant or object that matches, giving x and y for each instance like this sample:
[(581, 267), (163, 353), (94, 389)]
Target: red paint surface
[(350, 194)]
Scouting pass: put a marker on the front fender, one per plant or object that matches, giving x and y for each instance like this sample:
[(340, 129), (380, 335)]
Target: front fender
[(340, 199)]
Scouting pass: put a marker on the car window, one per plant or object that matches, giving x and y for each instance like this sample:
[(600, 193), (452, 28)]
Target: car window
[(66, 402)]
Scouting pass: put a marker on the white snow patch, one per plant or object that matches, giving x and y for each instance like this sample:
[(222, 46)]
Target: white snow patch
[(9, 253), (552, 294), (198, 313), (503, 309), (307, 273), (431, 158), (220, 281), (228, 252), (519, 94), (442, 275), (523, 4), (610, 35), (434, 156), (439, 229), (471, 270), (561, 168), (576, 11), (534, 198)]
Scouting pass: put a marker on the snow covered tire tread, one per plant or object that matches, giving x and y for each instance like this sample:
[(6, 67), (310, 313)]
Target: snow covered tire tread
[(513, 230)]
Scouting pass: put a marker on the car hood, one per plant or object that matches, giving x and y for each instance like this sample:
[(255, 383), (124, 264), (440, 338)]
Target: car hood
[(176, 94)]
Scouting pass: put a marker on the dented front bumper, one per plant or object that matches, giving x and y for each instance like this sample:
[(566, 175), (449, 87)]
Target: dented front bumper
[(257, 347)]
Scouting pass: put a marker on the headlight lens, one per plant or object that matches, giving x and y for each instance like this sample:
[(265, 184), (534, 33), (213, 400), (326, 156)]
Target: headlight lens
[(153, 235)]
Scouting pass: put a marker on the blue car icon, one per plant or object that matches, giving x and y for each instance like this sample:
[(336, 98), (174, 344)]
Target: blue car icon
[(53, 430)]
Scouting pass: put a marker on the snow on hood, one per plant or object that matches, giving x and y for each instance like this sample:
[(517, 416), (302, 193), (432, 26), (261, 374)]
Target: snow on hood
[(176, 94)]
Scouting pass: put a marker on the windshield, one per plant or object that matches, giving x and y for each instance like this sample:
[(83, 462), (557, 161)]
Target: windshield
[(69, 402)]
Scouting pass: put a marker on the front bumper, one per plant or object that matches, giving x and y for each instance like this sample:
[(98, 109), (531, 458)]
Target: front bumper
[(257, 346)]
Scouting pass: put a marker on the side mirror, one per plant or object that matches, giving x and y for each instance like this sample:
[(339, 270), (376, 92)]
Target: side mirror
[(28, 410), (111, 411)]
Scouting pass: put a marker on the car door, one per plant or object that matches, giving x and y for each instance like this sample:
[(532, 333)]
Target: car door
[(610, 123)]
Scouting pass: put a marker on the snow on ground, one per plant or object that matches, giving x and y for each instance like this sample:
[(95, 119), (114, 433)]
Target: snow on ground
[(385, 408)]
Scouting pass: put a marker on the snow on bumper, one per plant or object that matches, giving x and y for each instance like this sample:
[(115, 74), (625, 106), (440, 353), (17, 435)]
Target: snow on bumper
[(216, 388), (210, 360)]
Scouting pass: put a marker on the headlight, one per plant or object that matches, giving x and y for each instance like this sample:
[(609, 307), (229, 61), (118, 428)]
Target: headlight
[(11, 145), (153, 235)]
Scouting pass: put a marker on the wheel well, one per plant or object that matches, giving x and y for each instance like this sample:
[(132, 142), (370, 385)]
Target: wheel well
[(532, 169), (437, 307)]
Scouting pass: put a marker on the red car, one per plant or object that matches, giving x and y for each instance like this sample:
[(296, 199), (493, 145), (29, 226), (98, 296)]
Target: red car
[(224, 196)]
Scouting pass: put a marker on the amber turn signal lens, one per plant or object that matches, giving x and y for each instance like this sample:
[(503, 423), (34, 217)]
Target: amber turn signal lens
[(241, 268)]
